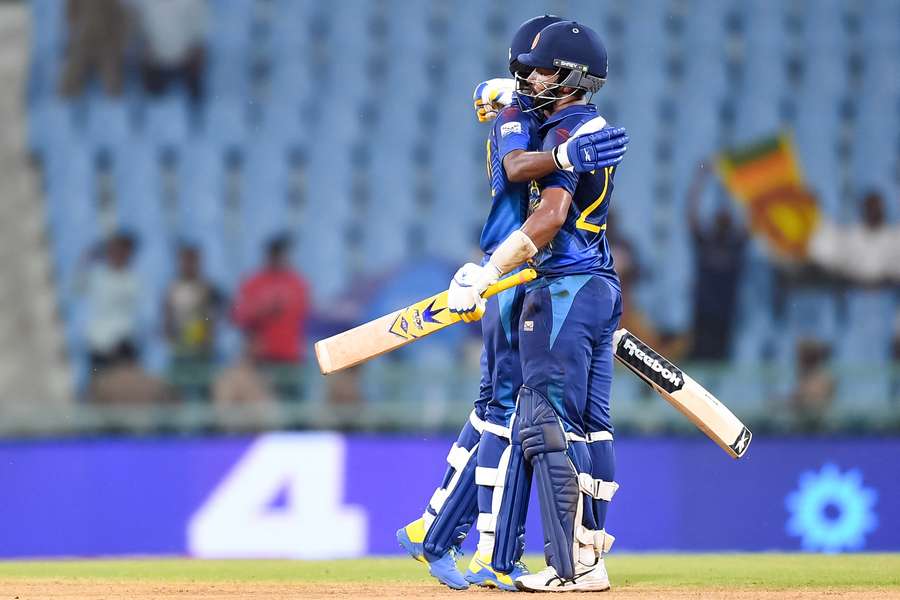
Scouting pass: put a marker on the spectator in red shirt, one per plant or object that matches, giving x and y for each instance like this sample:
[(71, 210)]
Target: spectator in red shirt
[(272, 307)]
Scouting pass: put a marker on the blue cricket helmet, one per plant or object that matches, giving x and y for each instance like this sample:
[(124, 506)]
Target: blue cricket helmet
[(574, 49), (524, 36)]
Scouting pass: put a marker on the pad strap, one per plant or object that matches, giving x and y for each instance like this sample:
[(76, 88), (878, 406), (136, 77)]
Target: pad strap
[(487, 476), (600, 540), (594, 436), (603, 541), (597, 488), (481, 426), (458, 457), (496, 479), (476, 422), (487, 522), (499, 430)]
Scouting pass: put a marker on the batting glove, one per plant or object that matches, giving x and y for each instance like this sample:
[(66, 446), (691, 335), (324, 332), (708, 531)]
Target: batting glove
[(491, 97), (464, 297), (592, 146)]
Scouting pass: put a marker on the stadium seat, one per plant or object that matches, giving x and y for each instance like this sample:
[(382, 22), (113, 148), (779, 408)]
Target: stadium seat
[(394, 160), (51, 125), (166, 120), (69, 180), (225, 123), (265, 211), (109, 123)]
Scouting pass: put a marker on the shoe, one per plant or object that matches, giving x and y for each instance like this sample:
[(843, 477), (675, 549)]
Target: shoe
[(481, 573), (587, 579), (444, 570), (412, 539)]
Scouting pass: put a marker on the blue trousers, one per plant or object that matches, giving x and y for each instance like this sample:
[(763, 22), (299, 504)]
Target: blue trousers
[(565, 345)]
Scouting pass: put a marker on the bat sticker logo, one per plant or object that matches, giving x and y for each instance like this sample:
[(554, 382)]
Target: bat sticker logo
[(650, 365), (429, 314), (743, 440), (418, 320)]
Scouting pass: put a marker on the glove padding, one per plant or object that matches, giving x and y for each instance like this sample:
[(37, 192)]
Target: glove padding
[(464, 297), (592, 146), (491, 97), (594, 151)]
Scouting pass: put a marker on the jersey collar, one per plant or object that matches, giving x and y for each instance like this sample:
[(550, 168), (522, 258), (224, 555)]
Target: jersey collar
[(575, 109)]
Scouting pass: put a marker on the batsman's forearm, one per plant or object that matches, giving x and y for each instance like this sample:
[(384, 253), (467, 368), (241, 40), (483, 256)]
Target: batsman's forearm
[(543, 225), (550, 215), (521, 166)]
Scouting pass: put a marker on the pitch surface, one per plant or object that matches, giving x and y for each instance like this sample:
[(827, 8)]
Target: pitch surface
[(634, 576)]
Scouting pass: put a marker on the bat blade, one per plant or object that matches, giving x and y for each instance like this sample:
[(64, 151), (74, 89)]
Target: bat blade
[(681, 391), (398, 328)]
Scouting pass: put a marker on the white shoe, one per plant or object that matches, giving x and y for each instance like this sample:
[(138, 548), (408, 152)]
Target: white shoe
[(587, 579)]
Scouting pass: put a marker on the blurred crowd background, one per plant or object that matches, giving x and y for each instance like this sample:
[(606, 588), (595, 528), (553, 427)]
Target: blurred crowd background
[(195, 191)]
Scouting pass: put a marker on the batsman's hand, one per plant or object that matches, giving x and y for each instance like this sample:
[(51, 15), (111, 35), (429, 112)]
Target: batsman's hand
[(591, 148), (464, 297), (491, 97)]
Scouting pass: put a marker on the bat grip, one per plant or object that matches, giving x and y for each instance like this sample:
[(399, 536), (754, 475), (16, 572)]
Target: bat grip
[(523, 276)]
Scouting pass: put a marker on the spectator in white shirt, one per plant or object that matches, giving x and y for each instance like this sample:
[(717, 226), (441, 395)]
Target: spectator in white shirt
[(112, 292), (867, 253), (173, 35)]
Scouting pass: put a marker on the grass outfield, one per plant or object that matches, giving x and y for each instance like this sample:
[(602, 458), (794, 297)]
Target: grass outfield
[(642, 571)]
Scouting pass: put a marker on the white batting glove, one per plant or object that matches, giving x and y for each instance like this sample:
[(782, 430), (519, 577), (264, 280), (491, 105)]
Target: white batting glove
[(491, 97), (464, 297)]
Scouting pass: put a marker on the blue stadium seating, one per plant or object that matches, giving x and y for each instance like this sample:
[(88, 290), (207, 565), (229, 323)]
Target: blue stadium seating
[(306, 100)]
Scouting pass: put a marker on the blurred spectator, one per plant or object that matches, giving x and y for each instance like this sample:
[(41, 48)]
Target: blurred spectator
[(718, 260), (815, 387), (98, 36), (192, 307), (125, 383), (867, 253), (272, 307), (633, 318), (173, 34), (242, 395), (113, 292), (895, 357)]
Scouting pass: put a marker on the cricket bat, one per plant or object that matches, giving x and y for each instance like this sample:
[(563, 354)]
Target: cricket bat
[(693, 401), (398, 328)]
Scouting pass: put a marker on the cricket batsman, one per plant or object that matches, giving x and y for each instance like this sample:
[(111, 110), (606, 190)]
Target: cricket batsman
[(473, 484), (561, 432)]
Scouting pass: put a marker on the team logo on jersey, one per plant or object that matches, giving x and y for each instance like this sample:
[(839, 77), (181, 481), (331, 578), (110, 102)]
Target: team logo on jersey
[(528, 326), (511, 127)]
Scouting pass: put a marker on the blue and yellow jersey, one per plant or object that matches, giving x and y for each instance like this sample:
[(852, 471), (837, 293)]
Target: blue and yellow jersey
[(512, 130), (580, 247)]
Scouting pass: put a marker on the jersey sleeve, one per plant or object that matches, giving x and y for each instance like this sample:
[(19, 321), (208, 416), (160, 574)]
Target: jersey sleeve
[(559, 179), (512, 130)]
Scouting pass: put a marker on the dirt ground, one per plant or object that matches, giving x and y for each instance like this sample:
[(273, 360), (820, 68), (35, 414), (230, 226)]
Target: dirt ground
[(27, 589)]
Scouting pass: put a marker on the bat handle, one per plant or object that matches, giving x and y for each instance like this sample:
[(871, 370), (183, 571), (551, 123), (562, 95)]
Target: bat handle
[(523, 276)]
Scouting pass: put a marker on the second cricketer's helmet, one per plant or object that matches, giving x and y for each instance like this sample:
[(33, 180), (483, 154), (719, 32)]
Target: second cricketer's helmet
[(521, 41), (575, 50)]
